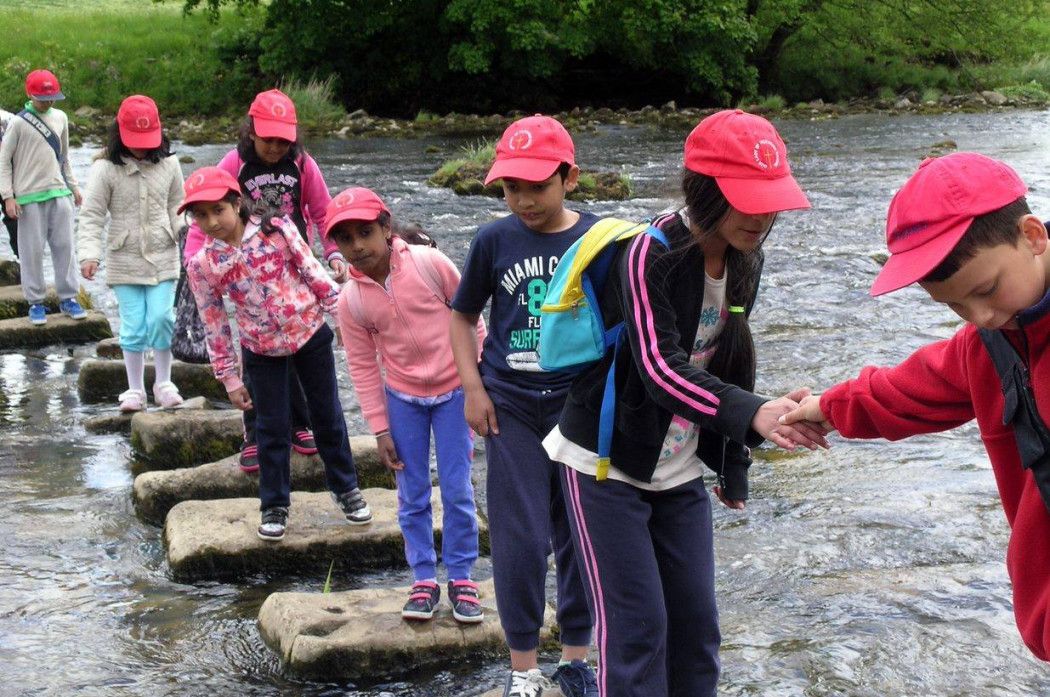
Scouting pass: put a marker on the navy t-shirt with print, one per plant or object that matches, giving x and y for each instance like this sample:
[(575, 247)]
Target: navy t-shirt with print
[(512, 265)]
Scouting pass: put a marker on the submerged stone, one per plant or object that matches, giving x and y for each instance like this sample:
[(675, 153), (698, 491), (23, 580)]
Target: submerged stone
[(10, 273), (120, 422), (155, 493), (13, 302), (218, 539), (109, 348), (103, 380), (170, 438), (18, 333), (357, 634)]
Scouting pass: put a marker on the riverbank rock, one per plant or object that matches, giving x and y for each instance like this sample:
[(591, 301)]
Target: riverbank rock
[(10, 273), (13, 302), (109, 348), (103, 380), (360, 634), (155, 493), (467, 178), (18, 333), (218, 539), (120, 422), (171, 438)]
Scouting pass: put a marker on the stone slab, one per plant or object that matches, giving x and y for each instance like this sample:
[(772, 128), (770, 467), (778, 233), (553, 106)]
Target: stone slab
[(155, 493), (170, 438), (360, 634), (498, 692), (102, 380), (13, 303), (18, 333), (109, 348), (10, 273), (120, 422), (218, 539)]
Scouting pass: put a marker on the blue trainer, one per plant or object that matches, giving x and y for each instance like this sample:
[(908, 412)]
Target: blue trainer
[(576, 679), (72, 308), (38, 314)]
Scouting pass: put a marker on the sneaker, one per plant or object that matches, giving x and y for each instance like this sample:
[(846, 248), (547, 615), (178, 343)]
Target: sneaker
[(422, 601), (249, 460), (354, 507), (37, 314), (526, 683), (72, 309), (576, 679), (303, 442), (274, 521), (132, 400), (466, 607), (166, 395)]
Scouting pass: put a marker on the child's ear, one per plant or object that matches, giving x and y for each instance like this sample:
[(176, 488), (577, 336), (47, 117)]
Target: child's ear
[(572, 179), (1034, 232)]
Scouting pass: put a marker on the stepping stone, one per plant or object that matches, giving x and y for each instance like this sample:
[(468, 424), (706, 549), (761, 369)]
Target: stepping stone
[(217, 539), (154, 493), (358, 634), (109, 348), (553, 692), (18, 333), (102, 380), (13, 302), (120, 422), (170, 438), (10, 273)]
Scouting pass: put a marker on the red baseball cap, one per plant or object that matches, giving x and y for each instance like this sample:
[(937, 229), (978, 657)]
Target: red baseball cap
[(273, 115), (532, 149), (935, 207), (43, 85), (357, 203), (139, 122), (208, 184), (748, 159)]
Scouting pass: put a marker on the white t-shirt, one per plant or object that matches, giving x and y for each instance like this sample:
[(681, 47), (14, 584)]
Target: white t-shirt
[(678, 462)]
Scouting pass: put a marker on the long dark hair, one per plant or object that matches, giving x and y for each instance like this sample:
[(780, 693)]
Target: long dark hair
[(259, 210), (734, 359), (246, 148), (116, 151)]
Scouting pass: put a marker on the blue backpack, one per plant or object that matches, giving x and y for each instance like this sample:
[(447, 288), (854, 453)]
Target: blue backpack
[(573, 335)]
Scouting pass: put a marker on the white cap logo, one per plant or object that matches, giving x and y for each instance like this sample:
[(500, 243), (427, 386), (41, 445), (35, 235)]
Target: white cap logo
[(766, 154), (346, 199), (143, 122), (520, 140), (197, 181), (278, 110)]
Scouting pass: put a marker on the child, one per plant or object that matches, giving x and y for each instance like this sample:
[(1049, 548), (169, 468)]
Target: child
[(10, 223), (393, 316), (137, 182), (279, 291), (39, 190), (273, 168), (962, 229), (513, 403), (684, 381)]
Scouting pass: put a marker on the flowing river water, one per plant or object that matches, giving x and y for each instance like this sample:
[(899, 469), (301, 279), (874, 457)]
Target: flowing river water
[(872, 569)]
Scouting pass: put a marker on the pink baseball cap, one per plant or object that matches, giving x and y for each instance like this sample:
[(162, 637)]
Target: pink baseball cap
[(43, 85), (139, 122), (273, 115), (532, 149), (935, 207), (748, 159), (357, 203), (208, 184)]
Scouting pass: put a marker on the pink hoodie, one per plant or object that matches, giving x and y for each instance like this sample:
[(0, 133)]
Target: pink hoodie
[(314, 198), (406, 333)]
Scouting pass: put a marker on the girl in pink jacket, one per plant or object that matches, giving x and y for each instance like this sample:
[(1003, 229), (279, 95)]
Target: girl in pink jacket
[(394, 317), (280, 292)]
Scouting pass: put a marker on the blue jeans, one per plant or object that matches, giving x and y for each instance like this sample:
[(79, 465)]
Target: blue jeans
[(147, 319), (410, 427), (316, 367)]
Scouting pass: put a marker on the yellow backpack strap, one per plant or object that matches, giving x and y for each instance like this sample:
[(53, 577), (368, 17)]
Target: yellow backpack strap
[(603, 233)]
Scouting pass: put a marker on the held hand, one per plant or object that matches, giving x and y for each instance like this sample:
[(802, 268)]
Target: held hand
[(88, 269), (241, 399), (77, 198), (808, 411), (339, 268), (767, 424), (480, 413), (388, 453), (12, 209), (735, 504)]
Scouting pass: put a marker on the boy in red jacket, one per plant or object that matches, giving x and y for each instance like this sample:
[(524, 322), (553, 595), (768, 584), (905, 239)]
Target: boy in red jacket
[(962, 229)]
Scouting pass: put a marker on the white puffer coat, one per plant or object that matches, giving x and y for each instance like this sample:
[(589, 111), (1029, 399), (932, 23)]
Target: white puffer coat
[(142, 201)]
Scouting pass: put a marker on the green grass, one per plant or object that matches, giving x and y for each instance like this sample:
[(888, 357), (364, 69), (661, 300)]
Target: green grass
[(104, 50), (315, 104)]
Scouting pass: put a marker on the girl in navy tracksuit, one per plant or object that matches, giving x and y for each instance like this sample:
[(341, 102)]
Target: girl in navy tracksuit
[(684, 379)]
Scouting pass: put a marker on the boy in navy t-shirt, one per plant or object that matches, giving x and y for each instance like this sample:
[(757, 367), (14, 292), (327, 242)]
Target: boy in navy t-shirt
[(514, 404)]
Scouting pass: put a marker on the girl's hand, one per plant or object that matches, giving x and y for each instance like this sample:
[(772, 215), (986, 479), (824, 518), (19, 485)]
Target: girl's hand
[(808, 410), (388, 453), (88, 269), (77, 198), (767, 424), (241, 399), (338, 267), (735, 504), (480, 412)]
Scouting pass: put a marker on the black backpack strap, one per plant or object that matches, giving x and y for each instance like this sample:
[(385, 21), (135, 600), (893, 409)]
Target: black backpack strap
[(1019, 409), (50, 136)]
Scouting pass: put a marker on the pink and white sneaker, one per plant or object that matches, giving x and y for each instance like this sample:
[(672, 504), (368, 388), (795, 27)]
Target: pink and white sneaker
[(166, 395), (132, 400)]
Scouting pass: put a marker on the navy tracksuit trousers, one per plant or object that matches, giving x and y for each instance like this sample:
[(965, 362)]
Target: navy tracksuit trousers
[(649, 561), (527, 518)]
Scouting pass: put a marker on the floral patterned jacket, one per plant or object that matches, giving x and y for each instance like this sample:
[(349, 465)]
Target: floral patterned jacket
[(277, 286)]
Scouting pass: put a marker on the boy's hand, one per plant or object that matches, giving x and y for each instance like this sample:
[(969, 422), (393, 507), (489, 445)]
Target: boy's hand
[(338, 267), (77, 198), (808, 410), (88, 269), (241, 399), (480, 412), (12, 209), (388, 453), (767, 423)]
